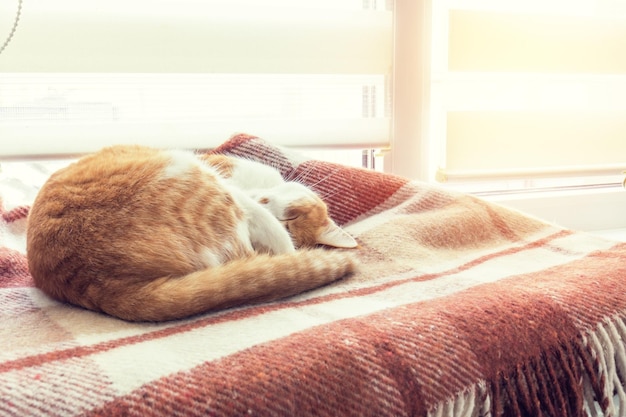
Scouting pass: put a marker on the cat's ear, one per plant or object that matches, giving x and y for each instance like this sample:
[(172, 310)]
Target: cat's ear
[(335, 236)]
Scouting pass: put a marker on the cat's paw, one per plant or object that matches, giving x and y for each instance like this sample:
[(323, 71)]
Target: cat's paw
[(275, 243), (284, 246), (280, 199)]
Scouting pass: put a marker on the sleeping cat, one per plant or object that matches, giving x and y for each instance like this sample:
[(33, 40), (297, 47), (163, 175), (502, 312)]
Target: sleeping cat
[(300, 210), (152, 235)]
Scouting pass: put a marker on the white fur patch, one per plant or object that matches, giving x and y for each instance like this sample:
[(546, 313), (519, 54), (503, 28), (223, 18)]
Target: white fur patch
[(279, 198), (243, 234), (181, 162), (209, 258), (249, 174)]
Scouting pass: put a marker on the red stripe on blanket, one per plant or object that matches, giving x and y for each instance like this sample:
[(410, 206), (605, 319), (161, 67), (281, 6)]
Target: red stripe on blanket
[(581, 286), (251, 147), (16, 214), (14, 269), (542, 311), (406, 360), (235, 141), (259, 310), (13, 264), (519, 338), (338, 374), (348, 192)]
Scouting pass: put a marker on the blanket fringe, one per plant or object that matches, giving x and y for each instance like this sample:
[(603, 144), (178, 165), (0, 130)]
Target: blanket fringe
[(473, 402), (605, 395), (586, 380), (546, 386)]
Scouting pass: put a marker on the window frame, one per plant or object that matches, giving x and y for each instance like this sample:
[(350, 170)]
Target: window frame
[(415, 153)]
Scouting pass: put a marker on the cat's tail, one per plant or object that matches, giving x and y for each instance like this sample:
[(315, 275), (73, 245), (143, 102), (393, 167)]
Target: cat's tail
[(259, 278)]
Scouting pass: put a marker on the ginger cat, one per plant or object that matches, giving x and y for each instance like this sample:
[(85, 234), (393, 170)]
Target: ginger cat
[(298, 208), (153, 235)]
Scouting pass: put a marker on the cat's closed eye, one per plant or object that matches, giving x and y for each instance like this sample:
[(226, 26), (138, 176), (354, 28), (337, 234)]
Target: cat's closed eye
[(305, 222)]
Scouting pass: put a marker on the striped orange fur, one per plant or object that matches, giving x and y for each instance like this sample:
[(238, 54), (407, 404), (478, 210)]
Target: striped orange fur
[(152, 235)]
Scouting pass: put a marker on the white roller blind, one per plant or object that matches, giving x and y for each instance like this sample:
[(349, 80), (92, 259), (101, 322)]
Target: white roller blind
[(79, 75), (529, 89)]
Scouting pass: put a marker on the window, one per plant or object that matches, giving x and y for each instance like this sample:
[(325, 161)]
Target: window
[(190, 73), (497, 97), (513, 98)]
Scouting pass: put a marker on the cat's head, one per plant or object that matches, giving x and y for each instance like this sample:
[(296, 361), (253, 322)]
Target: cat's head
[(305, 216)]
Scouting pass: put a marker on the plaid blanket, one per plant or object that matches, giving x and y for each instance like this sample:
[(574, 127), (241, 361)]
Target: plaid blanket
[(460, 308)]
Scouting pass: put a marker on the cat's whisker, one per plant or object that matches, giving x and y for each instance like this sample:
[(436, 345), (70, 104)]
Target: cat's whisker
[(330, 194), (302, 176), (325, 178)]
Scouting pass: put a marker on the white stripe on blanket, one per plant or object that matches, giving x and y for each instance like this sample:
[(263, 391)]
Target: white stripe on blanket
[(164, 355)]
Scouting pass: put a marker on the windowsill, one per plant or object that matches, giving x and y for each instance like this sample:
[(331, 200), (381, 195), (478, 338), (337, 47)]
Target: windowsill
[(613, 234), (596, 209)]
